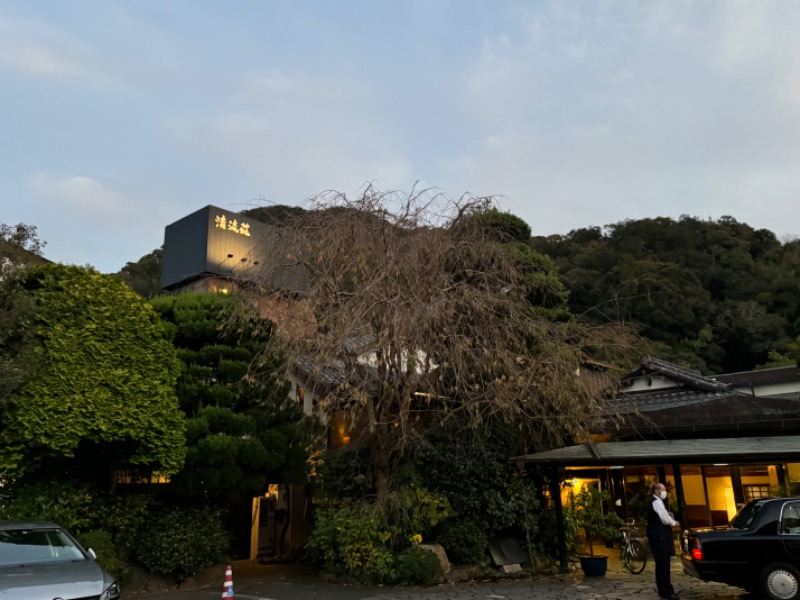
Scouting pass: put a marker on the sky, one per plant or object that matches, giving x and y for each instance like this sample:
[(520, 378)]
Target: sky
[(119, 118)]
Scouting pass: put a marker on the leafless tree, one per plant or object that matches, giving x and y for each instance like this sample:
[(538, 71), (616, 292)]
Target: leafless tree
[(424, 313)]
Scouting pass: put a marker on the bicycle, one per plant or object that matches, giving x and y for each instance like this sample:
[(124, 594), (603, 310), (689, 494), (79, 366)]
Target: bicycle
[(632, 553)]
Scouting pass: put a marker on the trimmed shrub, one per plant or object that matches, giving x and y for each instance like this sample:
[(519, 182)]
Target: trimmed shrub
[(464, 541), (180, 542), (416, 566), (107, 556), (125, 518)]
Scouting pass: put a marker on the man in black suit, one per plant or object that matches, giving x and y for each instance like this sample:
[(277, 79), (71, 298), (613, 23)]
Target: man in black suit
[(659, 534)]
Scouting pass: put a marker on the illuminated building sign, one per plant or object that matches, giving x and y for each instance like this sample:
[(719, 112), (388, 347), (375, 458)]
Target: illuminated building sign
[(221, 222)]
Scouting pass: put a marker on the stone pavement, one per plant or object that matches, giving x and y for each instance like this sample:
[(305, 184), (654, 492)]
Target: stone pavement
[(291, 583), (618, 584)]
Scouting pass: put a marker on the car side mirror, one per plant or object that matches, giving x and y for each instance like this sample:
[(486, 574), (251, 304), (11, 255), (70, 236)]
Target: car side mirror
[(91, 553)]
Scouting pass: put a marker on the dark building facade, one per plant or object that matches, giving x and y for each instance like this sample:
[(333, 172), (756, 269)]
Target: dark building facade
[(211, 242)]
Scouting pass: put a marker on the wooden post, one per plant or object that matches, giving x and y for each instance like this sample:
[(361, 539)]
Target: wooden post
[(705, 491), (676, 472), (555, 494), (738, 490)]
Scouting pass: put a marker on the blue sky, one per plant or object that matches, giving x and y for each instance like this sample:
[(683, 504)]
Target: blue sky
[(119, 118)]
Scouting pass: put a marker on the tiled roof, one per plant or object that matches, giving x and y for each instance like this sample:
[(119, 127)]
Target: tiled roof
[(744, 449), (777, 374), (696, 403), (329, 375), (662, 400), (690, 377)]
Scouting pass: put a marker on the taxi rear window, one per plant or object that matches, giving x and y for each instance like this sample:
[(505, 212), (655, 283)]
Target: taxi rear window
[(746, 514)]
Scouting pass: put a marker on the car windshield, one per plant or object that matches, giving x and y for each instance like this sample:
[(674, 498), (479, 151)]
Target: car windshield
[(746, 514), (25, 546)]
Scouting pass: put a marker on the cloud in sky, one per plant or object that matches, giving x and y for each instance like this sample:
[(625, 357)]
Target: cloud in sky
[(639, 110), (576, 114), (82, 194), (30, 46)]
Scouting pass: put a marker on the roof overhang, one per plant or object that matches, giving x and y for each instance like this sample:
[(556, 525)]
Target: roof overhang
[(696, 451)]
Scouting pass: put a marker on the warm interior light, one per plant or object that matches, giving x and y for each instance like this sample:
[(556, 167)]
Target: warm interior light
[(223, 291), (346, 439)]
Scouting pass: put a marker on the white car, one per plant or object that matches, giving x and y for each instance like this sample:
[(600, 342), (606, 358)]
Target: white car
[(41, 561)]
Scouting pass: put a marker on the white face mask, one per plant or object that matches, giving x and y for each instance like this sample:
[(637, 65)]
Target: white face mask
[(663, 495)]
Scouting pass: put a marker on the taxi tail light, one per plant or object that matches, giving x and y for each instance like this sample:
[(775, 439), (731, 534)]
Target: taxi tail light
[(697, 550)]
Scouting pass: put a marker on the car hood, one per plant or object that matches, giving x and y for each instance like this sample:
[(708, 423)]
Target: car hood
[(46, 581)]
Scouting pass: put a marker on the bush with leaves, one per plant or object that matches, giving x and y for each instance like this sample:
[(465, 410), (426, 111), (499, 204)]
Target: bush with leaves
[(180, 542), (73, 507), (417, 566), (342, 473), (471, 469), (353, 539), (464, 541), (125, 518), (360, 538), (108, 555), (547, 537), (413, 510), (103, 394)]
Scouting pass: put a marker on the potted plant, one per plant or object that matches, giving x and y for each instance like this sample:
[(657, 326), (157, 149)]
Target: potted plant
[(589, 516)]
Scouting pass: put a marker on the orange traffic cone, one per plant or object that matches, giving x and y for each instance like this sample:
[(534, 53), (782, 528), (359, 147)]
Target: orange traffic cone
[(227, 587)]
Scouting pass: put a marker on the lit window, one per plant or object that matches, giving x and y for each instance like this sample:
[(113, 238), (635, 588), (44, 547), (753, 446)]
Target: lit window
[(755, 492)]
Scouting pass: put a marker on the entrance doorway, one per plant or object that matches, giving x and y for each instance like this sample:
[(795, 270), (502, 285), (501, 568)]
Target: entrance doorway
[(281, 523)]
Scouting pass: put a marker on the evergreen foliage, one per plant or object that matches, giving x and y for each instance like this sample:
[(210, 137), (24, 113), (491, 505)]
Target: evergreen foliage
[(103, 390), (179, 542), (19, 243), (144, 276), (377, 541), (474, 474), (720, 295), (239, 435)]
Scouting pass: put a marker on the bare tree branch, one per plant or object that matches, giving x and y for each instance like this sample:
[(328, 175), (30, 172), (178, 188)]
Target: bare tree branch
[(423, 313)]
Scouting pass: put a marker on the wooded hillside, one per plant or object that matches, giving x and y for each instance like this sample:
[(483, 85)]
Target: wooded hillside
[(720, 295)]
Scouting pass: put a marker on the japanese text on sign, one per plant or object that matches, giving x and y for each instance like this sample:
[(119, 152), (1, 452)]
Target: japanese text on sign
[(221, 222)]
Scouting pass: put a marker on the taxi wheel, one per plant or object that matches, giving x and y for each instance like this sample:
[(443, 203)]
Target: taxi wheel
[(780, 581)]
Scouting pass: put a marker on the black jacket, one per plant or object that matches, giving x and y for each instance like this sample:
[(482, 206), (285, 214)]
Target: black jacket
[(654, 525)]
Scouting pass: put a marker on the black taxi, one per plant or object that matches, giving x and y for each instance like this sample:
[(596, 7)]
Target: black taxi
[(758, 551)]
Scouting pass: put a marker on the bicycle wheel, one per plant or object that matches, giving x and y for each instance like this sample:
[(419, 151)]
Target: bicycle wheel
[(635, 557)]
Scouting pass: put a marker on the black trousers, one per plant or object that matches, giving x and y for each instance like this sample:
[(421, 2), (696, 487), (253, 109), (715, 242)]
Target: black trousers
[(662, 549)]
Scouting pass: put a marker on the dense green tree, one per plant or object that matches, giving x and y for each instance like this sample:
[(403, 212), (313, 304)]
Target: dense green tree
[(18, 240), (719, 295), (536, 272), (20, 246), (144, 276), (101, 395), (238, 436)]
